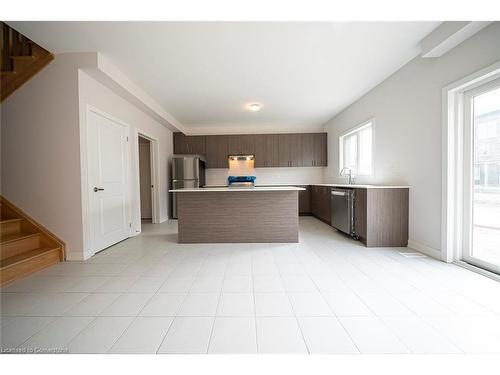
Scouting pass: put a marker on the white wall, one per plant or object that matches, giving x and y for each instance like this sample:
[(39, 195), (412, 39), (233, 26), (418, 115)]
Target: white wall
[(272, 176), (41, 154), (40, 148), (407, 112), (93, 93)]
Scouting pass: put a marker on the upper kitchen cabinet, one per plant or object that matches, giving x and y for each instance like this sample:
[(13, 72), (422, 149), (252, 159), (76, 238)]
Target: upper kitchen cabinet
[(180, 144), (320, 149), (290, 150), (241, 144), (216, 151), (308, 150), (296, 150), (189, 144), (211, 148), (284, 150), (222, 152), (197, 145), (314, 150), (266, 150), (270, 150), (247, 144)]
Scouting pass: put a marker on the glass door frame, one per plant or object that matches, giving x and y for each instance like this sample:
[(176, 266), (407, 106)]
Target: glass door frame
[(468, 176)]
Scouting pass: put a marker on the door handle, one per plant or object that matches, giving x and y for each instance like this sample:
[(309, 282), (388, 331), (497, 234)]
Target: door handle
[(339, 193), (96, 189)]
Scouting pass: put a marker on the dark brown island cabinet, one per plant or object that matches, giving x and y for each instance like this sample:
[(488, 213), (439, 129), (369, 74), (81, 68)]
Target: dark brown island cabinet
[(270, 150), (380, 214)]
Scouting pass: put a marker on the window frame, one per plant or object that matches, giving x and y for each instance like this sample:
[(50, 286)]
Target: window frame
[(351, 131)]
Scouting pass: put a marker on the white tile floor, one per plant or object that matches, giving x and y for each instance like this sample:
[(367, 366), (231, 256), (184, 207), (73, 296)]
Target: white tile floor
[(327, 294)]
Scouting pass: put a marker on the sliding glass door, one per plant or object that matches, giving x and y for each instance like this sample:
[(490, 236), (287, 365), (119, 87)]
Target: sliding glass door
[(482, 177)]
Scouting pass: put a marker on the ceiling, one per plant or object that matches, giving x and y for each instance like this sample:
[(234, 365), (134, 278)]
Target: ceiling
[(204, 74)]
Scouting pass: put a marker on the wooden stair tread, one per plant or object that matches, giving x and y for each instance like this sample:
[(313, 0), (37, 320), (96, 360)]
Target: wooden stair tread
[(24, 59), (26, 256), (5, 221), (27, 57), (25, 245), (8, 238)]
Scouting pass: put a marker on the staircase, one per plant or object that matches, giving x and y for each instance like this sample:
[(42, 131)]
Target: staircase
[(25, 246), (21, 59)]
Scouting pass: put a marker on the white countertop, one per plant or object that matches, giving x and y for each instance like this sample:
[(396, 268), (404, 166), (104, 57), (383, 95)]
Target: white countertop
[(253, 189), (365, 186), (359, 186)]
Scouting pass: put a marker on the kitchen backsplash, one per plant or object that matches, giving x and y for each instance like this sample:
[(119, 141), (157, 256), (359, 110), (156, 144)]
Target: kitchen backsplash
[(272, 176), (241, 168)]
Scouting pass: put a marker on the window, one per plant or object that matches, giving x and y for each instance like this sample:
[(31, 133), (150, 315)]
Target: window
[(356, 151)]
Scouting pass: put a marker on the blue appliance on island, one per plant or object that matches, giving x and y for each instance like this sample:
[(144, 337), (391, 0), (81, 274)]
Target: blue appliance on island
[(241, 181)]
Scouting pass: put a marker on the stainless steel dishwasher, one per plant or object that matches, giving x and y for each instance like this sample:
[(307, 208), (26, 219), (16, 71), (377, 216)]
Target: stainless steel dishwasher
[(342, 210)]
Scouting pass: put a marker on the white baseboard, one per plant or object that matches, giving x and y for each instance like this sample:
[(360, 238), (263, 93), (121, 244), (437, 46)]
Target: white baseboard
[(424, 249), (75, 256)]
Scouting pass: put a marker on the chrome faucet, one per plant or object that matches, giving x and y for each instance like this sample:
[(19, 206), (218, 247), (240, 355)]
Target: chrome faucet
[(350, 180)]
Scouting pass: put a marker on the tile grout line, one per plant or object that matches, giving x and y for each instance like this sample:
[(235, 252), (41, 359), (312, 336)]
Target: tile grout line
[(165, 335), (217, 308), (376, 263), (176, 316), (40, 330), (389, 292), (74, 337), (254, 307), (338, 318), (293, 309), (134, 317), (131, 322)]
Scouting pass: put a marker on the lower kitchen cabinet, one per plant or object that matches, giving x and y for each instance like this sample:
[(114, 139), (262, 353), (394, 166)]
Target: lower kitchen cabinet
[(381, 216), (305, 200), (320, 203)]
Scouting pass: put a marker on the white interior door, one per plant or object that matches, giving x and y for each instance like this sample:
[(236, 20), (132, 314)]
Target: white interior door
[(108, 181), (482, 176)]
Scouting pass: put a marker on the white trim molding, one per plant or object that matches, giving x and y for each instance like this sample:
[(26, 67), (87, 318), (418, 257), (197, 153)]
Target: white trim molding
[(424, 249), (452, 160), (448, 35), (155, 180), (368, 123)]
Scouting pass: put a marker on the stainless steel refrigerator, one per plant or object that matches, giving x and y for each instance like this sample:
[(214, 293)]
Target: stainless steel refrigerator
[(188, 171)]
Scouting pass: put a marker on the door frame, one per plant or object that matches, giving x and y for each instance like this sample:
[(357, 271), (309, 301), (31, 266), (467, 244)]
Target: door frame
[(88, 249), (468, 191), (155, 178), (452, 206)]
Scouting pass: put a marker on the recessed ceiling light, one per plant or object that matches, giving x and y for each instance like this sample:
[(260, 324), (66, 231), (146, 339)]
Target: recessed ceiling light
[(254, 107)]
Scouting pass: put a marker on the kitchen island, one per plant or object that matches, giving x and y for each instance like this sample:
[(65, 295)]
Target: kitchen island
[(231, 214)]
